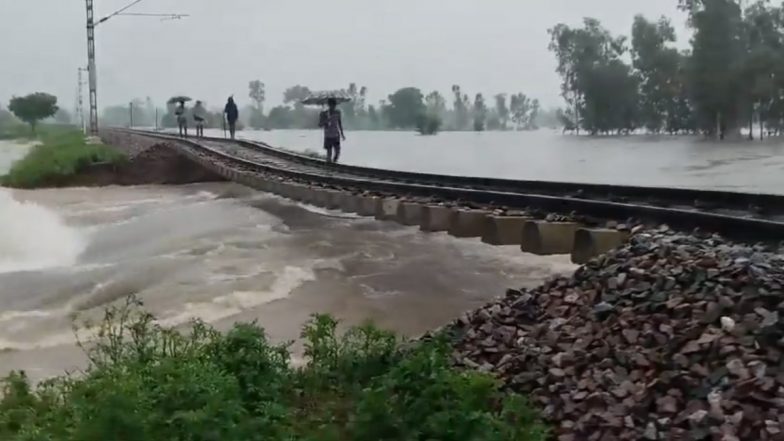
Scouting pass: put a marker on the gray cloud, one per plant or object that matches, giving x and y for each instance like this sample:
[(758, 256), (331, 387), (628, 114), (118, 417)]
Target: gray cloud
[(485, 46)]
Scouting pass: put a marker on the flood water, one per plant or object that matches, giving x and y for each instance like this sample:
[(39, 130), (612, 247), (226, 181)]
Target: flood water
[(657, 161), (225, 253)]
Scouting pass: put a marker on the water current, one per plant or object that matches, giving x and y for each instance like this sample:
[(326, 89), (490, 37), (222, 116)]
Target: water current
[(225, 253)]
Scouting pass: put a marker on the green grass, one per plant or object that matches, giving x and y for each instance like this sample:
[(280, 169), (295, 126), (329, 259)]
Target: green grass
[(147, 383), (63, 153), (15, 131)]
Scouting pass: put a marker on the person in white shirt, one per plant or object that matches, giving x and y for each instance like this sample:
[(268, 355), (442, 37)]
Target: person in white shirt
[(199, 115), (182, 120)]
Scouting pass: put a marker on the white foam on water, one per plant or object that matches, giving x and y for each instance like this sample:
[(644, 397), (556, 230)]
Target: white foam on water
[(33, 237), (221, 307)]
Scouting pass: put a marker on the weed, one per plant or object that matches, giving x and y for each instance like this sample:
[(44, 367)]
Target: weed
[(62, 154), (146, 382)]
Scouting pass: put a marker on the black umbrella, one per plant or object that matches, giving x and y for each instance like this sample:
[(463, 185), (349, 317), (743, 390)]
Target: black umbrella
[(179, 98), (321, 98)]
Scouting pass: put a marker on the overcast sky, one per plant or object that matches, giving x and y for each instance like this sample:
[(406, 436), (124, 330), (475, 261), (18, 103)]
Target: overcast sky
[(487, 46)]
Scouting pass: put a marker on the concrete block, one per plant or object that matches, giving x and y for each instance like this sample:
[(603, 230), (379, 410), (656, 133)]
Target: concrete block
[(387, 209), (368, 205), (589, 243), (298, 192), (333, 199), (436, 218), (504, 230), (320, 197), (545, 238), (349, 202), (409, 213), (468, 223), (285, 190)]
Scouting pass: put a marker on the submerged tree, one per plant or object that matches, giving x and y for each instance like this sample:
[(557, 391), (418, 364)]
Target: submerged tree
[(480, 113), (405, 107), (257, 93)]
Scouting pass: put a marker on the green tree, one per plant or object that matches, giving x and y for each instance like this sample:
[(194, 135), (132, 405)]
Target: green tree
[(502, 110), (764, 62), (598, 86), (405, 107), (295, 94), (716, 65), (460, 107), (523, 111), (33, 108), (436, 104), (657, 65), (257, 94), (480, 113)]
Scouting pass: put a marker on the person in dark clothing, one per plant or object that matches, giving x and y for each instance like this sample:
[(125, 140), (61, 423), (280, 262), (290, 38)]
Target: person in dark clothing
[(232, 114), (332, 123)]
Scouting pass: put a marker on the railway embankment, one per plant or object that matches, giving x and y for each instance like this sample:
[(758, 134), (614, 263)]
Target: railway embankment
[(661, 334)]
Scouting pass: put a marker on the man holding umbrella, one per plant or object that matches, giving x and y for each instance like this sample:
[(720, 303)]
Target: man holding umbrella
[(180, 114), (332, 123)]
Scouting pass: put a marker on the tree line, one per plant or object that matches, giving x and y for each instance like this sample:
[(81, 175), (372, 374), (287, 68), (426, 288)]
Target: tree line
[(731, 77), (405, 109)]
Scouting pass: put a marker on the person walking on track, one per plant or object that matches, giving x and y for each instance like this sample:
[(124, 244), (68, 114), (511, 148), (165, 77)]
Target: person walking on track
[(232, 114), (182, 120), (332, 123), (199, 116)]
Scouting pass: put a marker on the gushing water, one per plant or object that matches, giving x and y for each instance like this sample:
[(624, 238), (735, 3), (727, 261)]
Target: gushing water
[(33, 237)]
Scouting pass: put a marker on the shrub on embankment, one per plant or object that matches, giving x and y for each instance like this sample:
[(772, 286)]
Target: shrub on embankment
[(145, 382), (62, 154)]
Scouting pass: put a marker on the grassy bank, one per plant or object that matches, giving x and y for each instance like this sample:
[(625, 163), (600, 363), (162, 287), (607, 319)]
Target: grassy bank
[(148, 383), (15, 131), (62, 153)]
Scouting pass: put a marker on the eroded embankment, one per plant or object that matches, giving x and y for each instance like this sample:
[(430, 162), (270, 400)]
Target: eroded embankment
[(150, 161)]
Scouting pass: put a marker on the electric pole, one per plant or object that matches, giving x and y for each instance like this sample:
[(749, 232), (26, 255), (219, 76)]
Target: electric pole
[(80, 98), (93, 80), (93, 77)]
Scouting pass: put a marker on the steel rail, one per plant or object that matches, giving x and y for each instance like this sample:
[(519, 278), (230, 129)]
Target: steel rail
[(513, 194)]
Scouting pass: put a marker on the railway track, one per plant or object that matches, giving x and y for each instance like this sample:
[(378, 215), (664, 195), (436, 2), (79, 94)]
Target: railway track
[(740, 216)]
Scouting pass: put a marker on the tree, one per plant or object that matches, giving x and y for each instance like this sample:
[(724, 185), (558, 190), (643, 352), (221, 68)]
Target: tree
[(257, 94), (657, 65), (600, 89), (435, 102), (716, 64), (523, 111), (405, 107), (460, 107), (480, 113), (295, 94), (33, 108), (502, 110), (764, 62), (428, 123)]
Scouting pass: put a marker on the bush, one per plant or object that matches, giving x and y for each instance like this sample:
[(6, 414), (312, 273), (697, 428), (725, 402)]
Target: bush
[(145, 382), (62, 154), (428, 124)]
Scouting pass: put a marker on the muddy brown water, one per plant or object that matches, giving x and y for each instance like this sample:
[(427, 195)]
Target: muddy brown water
[(224, 253)]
